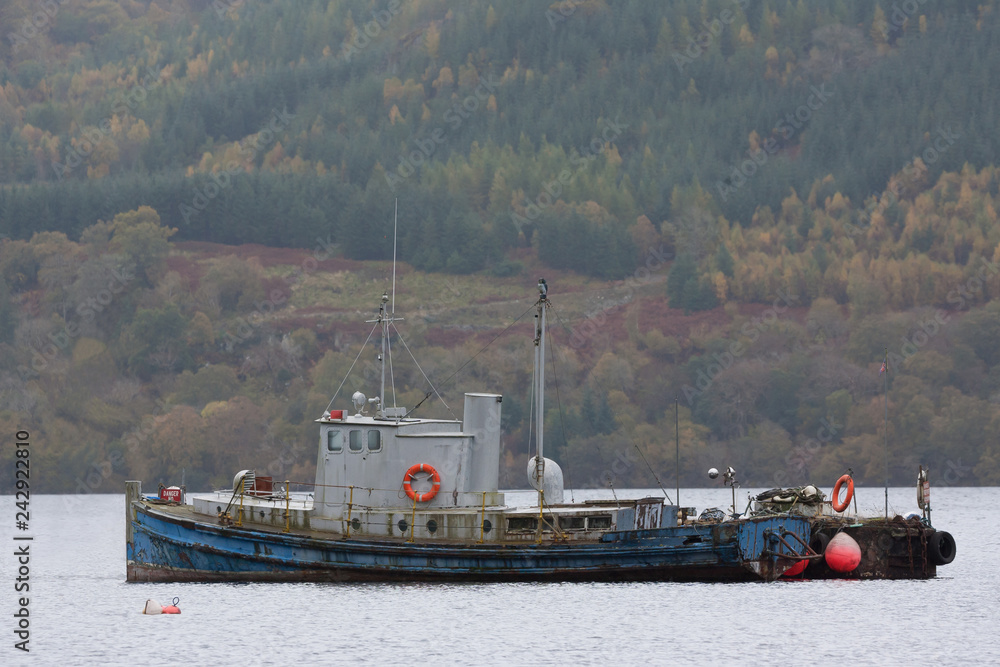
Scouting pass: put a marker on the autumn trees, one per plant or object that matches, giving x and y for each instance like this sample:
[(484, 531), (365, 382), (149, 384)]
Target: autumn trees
[(146, 384), (497, 120), (589, 143)]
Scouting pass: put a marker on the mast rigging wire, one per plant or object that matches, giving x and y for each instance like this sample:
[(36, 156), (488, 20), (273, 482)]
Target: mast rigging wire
[(562, 422), (628, 434), (363, 345), (469, 361), (407, 348)]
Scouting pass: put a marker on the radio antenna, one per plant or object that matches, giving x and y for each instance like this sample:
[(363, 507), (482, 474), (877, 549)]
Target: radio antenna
[(395, 215)]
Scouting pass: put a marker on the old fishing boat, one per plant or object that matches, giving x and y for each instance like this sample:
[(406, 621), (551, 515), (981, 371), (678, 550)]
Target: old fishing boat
[(402, 498)]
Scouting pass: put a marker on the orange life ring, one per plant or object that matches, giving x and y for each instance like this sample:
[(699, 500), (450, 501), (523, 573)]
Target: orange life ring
[(835, 501), (408, 479)]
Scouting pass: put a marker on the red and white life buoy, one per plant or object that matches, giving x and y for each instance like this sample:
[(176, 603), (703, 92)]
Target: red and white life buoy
[(835, 501), (408, 481)]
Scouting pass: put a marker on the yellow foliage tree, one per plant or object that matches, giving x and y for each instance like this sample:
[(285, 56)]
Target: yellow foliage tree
[(432, 40), (444, 79), (392, 89), (721, 286)]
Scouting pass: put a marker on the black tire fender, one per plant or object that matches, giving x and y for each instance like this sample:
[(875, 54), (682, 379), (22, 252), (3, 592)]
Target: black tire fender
[(818, 542), (941, 547)]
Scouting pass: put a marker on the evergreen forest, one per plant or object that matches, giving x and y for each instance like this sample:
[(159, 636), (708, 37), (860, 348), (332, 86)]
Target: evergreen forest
[(745, 210)]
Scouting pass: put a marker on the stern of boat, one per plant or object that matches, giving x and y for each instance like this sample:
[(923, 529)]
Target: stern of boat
[(771, 546)]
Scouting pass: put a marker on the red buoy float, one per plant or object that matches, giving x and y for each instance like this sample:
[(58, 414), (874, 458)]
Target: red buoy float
[(842, 553), (796, 569), (155, 608), (835, 501)]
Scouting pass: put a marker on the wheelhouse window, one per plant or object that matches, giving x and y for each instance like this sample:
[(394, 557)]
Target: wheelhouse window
[(355, 441), (515, 524), (335, 440), (374, 441), (600, 522)]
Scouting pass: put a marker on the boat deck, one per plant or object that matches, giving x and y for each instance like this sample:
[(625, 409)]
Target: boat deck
[(187, 513)]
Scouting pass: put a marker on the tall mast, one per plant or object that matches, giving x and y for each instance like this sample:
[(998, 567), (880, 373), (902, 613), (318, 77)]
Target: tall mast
[(385, 316), (383, 321), (677, 449), (395, 218), (385, 334), (543, 289), (885, 429)]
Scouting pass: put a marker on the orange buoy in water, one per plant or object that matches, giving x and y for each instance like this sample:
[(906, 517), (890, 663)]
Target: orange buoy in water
[(153, 607), (798, 568), (842, 553)]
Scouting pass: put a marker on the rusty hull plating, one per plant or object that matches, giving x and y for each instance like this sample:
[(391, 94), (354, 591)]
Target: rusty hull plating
[(174, 543), (171, 543)]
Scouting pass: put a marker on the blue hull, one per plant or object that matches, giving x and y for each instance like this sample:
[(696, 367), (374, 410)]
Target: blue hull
[(162, 547)]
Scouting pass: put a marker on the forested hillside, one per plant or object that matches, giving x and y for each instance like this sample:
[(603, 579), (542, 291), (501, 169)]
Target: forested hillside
[(742, 203), (277, 122)]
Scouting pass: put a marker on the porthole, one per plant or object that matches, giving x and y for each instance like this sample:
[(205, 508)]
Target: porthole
[(487, 526), (355, 524), (403, 526), (262, 515), (432, 526), (218, 509)]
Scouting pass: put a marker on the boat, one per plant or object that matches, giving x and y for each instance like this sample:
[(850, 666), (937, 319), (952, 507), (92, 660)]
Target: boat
[(403, 498)]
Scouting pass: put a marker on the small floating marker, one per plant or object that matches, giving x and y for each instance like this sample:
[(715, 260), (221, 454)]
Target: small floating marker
[(153, 607), (842, 553)]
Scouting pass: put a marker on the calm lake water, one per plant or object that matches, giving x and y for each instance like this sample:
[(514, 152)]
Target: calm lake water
[(83, 612)]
